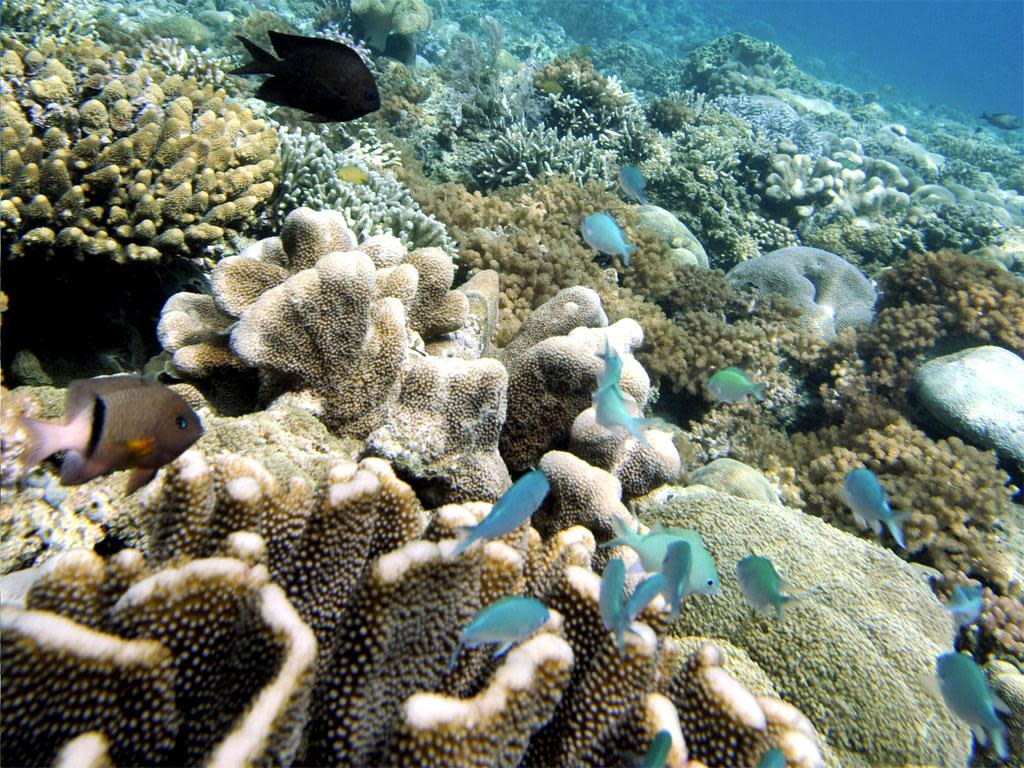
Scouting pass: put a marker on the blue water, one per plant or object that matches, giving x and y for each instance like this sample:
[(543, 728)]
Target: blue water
[(968, 55)]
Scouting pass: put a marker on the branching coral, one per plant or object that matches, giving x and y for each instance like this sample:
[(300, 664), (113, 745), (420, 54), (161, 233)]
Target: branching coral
[(103, 159), (380, 205)]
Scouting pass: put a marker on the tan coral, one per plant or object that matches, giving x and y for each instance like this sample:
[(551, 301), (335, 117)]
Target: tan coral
[(156, 189)]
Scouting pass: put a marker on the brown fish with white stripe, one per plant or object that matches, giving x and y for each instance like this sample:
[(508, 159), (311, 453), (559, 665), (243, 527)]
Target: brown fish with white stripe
[(112, 423)]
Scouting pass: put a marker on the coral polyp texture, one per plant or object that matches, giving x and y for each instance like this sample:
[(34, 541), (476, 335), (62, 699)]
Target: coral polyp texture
[(313, 622), (314, 310), (105, 158)]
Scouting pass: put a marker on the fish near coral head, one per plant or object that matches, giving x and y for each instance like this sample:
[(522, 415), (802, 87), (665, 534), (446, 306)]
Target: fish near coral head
[(112, 423), (323, 77), (603, 234), (731, 385)]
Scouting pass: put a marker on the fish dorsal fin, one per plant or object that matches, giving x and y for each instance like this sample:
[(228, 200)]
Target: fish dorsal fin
[(285, 45)]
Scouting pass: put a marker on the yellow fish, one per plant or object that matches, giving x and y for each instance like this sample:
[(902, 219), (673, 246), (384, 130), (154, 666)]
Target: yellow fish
[(353, 174)]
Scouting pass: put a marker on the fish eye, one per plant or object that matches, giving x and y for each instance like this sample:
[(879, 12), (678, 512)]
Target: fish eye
[(370, 96), (182, 422), (711, 582)]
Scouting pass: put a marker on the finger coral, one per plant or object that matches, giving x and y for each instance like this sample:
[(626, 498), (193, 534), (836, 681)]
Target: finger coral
[(107, 159)]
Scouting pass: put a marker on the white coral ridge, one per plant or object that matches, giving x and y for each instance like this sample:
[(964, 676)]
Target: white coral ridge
[(429, 711)]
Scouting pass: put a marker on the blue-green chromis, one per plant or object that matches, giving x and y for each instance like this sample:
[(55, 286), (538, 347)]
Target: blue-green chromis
[(866, 498), (510, 511), (505, 621), (761, 585), (967, 695), (603, 234), (633, 184), (731, 385), (965, 604)]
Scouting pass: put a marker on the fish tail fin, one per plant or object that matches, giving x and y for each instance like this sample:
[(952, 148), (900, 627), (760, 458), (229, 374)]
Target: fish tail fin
[(642, 198), (624, 535), (455, 656), (262, 61), (895, 526), (627, 253), (636, 428), (998, 736), (758, 391), (45, 438), (785, 606), (466, 532)]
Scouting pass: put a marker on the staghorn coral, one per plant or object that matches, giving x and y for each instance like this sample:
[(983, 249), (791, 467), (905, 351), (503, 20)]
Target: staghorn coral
[(108, 159), (934, 299), (381, 205), (956, 494)]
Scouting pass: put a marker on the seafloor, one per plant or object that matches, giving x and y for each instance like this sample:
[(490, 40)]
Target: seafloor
[(286, 593)]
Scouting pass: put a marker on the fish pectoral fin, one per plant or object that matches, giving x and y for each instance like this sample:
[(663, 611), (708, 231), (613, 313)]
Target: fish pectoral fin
[(998, 703), (138, 478), (980, 734), (876, 527), (930, 684), (139, 449), (503, 648)]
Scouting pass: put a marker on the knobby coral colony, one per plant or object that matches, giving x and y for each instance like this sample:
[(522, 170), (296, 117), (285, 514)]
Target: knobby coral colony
[(265, 619)]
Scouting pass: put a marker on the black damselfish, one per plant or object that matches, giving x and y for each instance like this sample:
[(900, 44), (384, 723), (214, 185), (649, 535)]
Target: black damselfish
[(323, 77)]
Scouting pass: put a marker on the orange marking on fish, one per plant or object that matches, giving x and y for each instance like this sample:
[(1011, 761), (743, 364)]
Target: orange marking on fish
[(140, 448)]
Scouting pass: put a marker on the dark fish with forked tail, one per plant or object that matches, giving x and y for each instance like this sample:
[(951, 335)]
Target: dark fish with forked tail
[(112, 423), (323, 77), (1005, 120)]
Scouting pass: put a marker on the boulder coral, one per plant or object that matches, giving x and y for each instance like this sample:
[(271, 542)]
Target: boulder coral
[(850, 650)]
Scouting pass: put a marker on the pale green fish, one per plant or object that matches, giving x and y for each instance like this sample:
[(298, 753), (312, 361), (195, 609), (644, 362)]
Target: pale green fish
[(866, 497), (676, 570), (610, 404), (761, 585), (645, 591), (603, 234), (968, 696), (632, 181), (731, 385), (652, 548), (510, 511), (610, 601), (505, 621), (773, 758)]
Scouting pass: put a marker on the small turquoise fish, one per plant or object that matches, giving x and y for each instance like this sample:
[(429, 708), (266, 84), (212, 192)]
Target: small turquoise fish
[(510, 511), (612, 367), (676, 570), (603, 234), (505, 621), (610, 412), (613, 610), (965, 604), (968, 696), (653, 547), (865, 496), (731, 385), (645, 591), (761, 585), (657, 753), (633, 183), (773, 758)]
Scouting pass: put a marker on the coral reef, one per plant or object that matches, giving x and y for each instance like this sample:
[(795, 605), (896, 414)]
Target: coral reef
[(863, 605)]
